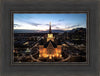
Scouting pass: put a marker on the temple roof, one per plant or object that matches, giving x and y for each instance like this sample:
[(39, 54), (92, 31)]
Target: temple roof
[(46, 45)]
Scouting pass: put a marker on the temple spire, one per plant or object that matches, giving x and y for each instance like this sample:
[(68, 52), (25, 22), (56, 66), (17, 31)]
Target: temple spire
[(50, 28)]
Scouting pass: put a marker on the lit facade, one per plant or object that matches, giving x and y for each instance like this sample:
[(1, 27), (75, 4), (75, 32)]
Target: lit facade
[(50, 49)]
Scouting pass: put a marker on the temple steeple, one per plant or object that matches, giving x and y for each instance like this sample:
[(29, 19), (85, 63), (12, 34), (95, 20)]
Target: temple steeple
[(50, 27), (50, 34)]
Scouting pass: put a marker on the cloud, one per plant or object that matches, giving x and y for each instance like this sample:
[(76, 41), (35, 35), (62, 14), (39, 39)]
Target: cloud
[(33, 23), (57, 27), (27, 20), (53, 25), (17, 25), (61, 20), (47, 24), (73, 26)]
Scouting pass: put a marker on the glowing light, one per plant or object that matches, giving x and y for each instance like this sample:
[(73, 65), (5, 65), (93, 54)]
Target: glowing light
[(53, 55), (40, 51), (59, 51), (44, 55), (57, 54), (26, 43), (60, 55), (13, 51), (50, 57), (39, 55), (64, 44), (50, 35), (19, 61)]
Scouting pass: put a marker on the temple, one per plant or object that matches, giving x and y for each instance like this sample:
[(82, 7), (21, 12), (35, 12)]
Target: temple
[(49, 49)]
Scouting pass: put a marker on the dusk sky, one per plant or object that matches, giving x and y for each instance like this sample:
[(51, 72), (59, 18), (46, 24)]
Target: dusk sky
[(41, 21)]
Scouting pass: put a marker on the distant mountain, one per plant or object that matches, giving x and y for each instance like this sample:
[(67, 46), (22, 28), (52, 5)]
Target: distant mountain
[(37, 31), (76, 29), (54, 31), (26, 31)]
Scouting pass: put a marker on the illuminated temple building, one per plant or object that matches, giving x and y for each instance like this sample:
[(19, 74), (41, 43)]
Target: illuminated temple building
[(48, 48)]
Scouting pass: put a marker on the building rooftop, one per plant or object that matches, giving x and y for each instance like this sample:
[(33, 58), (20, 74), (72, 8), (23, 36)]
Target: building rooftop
[(46, 45)]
